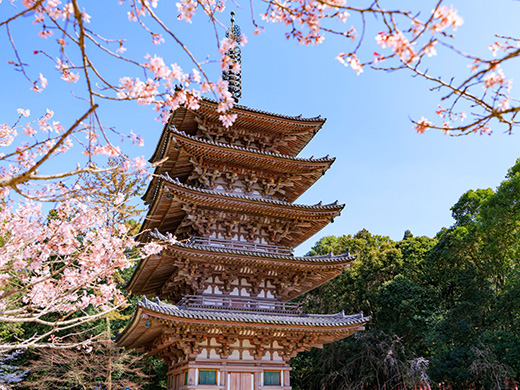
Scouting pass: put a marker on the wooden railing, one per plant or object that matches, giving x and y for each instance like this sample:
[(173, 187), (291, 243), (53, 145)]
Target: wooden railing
[(241, 245), (240, 304)]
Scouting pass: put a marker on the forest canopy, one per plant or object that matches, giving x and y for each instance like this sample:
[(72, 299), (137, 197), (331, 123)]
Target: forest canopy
[(444, 309)]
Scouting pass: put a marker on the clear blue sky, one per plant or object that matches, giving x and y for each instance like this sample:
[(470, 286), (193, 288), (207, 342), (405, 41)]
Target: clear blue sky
[(391, 178)]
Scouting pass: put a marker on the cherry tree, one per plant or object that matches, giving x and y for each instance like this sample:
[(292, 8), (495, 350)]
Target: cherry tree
[(57, 267), (406, 40)]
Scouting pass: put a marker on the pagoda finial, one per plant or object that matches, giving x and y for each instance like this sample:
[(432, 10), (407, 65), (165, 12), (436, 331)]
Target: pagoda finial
[(234, 79)]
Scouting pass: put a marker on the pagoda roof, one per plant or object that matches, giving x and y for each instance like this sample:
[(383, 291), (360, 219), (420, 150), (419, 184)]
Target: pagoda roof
[(211, 105), (178, 163), (141, 333), (166, 212), (154, 271), (314, 320), (248, 120)]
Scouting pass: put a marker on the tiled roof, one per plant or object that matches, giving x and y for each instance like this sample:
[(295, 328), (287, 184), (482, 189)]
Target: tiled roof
[(329, 258), (325, 159), (245, 109), (229, 195), (316, 320)]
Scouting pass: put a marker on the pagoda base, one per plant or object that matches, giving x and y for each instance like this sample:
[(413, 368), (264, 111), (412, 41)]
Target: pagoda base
[(212, 374)]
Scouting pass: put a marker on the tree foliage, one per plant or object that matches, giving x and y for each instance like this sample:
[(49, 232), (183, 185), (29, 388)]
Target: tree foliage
[(451, 303)]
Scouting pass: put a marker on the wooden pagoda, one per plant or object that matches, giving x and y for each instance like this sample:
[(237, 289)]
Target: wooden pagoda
[(217, 309), (223, 205)]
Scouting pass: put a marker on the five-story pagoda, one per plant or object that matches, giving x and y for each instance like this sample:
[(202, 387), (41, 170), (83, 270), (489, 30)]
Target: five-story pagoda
[(219, 314)]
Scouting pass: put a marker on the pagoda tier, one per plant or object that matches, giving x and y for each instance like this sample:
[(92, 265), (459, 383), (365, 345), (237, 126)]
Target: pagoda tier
[(192, 268), (235, 349), (214, 165), (253, 129), (186, 211)]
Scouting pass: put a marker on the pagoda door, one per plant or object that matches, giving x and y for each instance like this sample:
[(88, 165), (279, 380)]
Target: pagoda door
[(241, 381)]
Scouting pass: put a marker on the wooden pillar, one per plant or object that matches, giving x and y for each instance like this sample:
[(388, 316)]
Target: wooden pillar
[(192, 376), (286, 378), (258, 379)]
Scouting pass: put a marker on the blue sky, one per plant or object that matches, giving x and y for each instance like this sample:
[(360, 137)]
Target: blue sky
[(391, 178)]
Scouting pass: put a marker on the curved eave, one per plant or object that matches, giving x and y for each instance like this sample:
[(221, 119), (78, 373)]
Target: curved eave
[(122, 340), (306, 321), (250, 157), (150, 318), (153, 271), (310, 169), (302, 130), (244, 110), (165, 212), (322, 261), (244, 202), (305, 171)]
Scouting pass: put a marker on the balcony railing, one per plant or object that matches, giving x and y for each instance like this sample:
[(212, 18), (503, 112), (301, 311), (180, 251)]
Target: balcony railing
[(248, 194), (241, 245), (240, 304)]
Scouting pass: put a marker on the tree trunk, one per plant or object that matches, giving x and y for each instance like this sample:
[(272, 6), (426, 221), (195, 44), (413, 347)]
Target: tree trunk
[(109, 351)]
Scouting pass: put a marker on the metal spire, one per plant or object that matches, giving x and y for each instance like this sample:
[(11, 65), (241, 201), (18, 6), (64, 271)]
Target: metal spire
[(234, 79)]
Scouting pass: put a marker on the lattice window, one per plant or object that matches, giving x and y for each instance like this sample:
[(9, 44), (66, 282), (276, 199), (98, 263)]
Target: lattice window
[(207, 377), (272, 378)]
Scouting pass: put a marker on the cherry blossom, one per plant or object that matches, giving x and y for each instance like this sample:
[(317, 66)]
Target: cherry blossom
[(423, 125), (23, 112), (352, 60), (186, 9), (496, 77), (444, 18), (81, 242), (228, 119), (399, 44)]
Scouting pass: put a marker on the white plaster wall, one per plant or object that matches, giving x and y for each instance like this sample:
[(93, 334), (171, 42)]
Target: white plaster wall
[(246, 355), (234, 355), (277, 357)]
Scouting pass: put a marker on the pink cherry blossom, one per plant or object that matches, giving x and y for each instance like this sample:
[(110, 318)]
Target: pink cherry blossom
[(496, 77), (7, 135), (445, 17), (139, 163), (228, 119), (152, 248), (423, 125), (226, 44), (351, 60), (157, 66), (186, 9), (400, 45), (430, 50), (23, 112), (45, 34), (157, 39)]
